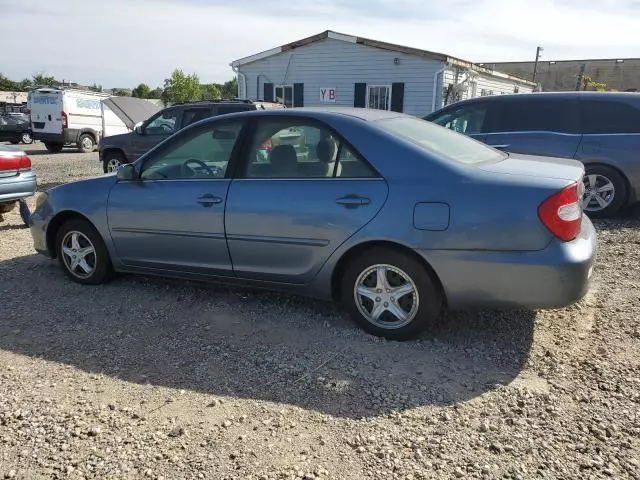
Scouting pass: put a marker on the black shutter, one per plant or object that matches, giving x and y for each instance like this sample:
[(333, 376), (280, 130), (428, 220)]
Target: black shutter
[(360, 95), (268, 92), (298, 94), (397, 97)]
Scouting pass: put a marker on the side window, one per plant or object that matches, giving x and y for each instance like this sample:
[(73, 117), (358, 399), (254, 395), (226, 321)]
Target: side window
[(291, 148), (468, 119), (538, 115), (599, 117), (204, 153), (194, 115), (163, 124)]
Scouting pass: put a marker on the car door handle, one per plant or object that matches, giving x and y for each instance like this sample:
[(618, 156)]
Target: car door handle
[(353, 201), (499, 147), (209, 199)]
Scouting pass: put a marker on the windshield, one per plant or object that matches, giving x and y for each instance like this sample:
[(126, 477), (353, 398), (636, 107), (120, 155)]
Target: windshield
[(440, 141)]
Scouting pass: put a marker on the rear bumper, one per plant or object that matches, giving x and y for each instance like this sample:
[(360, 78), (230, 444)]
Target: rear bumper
[(68, 135), (17, 187), (555, 277)]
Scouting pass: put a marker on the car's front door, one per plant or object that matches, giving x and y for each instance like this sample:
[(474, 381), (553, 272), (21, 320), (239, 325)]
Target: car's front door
[(299, 193), (155, 130), (536, 126), (469, 119), (172, 218)]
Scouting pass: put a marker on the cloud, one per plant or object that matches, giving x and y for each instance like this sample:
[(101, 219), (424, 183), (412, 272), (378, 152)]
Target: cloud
[(122, 43)]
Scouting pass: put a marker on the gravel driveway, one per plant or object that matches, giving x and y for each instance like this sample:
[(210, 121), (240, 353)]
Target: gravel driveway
[(151, 378)]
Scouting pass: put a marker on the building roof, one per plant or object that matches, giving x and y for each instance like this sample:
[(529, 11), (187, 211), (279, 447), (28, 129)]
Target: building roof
[(375, 44)]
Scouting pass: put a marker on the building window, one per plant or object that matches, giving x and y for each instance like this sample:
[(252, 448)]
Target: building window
[(379, 97), (283, 94)]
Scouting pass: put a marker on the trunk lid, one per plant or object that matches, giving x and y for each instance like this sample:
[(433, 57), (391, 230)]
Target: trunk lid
[(534, 166)]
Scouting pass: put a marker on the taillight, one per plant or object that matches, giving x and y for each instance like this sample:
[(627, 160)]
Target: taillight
[(65, 122), (14, 162), (561, 213)]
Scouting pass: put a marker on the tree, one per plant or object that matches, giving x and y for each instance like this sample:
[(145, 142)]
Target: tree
[(230, 88), (210, 91), (181, 88), (95, 88), (141, 91), (44, 80), (7, 85), (156, 93), (590, 84)]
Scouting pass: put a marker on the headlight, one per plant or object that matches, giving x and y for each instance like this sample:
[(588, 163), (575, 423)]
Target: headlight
[(41, 199)]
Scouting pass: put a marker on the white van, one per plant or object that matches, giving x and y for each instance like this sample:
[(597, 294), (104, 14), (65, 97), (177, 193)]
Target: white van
[(66, 116)]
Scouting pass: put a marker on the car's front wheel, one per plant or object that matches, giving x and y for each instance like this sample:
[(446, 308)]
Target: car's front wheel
[(82, 253), (390, 294), (26, 138), (111, 162), (605, 191)]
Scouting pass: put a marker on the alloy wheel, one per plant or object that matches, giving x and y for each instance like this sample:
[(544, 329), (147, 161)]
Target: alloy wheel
[(599, 193), (386, 296), (79, 254), (113, 164)]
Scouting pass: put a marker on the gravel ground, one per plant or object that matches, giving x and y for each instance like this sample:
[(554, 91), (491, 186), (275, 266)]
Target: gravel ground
[(151, 378)]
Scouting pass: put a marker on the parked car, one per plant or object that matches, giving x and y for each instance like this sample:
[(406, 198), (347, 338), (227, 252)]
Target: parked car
[(14, 129), (17, 180), (68, 116), (600, 129), (390, 215), (126, 148)]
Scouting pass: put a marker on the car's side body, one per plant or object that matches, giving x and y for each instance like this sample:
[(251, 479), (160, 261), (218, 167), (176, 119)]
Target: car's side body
[(475, 227), (596, 128), (13, 127)]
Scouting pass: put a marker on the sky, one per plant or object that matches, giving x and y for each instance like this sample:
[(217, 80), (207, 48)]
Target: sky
[(120, 43)]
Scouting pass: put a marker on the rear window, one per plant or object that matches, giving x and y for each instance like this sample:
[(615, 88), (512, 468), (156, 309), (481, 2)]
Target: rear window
[(440, 141)]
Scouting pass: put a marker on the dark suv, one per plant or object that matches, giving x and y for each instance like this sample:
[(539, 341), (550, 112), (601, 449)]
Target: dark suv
[(601, 129), (125, 148)]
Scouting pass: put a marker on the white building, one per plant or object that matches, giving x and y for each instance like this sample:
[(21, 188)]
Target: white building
[(338, 69)]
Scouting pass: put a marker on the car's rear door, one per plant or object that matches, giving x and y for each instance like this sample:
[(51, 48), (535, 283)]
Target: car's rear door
[(545, 125), (299, 193), (46, 111)]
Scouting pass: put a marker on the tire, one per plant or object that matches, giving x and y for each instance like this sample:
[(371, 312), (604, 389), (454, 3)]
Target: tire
[(98, 261), (421, 316), (112, 160), (25, 214), (53, 147), (86, 143), (596, 178), (26, 139)]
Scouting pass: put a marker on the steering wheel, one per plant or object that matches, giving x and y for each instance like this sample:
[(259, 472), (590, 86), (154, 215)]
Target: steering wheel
[(189, 172)]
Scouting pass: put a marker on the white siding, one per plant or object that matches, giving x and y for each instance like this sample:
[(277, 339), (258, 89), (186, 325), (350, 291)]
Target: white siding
[(339, 64), (491, 85)]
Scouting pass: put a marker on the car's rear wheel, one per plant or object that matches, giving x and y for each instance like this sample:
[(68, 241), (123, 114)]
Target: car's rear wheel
[(82, 253), (53, 147), (26, 139), (605, 191), (86, 143), (390, 294), (111, 162)]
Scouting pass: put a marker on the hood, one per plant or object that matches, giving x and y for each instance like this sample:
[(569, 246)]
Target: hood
[(120, 140), (131, 110)]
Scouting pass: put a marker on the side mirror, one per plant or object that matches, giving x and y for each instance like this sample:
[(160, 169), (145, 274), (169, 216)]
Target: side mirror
[(138, 128), (127, 172)]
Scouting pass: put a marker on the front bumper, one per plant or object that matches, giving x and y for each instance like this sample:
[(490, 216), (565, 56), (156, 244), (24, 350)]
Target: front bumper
[(555, 277), (18, 186)]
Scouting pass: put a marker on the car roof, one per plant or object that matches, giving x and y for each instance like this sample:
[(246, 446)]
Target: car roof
[(556, 95), (317, 112)]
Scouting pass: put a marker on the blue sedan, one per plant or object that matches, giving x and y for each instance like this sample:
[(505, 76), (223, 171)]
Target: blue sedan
[(391, 216)]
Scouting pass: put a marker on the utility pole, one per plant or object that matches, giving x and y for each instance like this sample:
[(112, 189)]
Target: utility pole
[(535, 65)]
